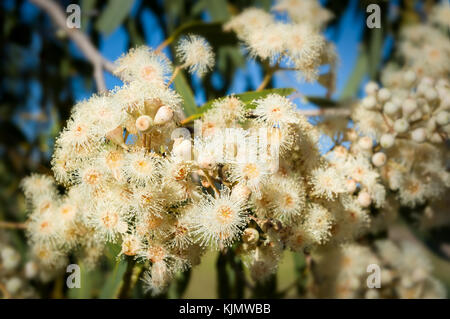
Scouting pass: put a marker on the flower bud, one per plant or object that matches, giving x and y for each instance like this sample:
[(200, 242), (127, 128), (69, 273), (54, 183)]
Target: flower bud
[(387, 140), (390, 108), (164, 115), (365, 143), (250, 236), (409, 77), (379, 159), (10, 258), (182, 149), (143, 123), (369, 102), (350, 185), (442, 118), (241, 191), (371, 88), (31, 269), (401, 125), (364, 199), (431, 94), (13, 285), (419, 135), (384, 95), (409, 106)]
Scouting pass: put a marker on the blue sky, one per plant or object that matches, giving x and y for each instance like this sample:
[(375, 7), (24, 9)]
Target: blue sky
[(346, 36)]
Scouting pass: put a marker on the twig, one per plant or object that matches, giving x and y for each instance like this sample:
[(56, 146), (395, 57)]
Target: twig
[(163, 44), (5, 292), (290, 286), (99, 79), (265, 81), (327, 112), (12, 225), (81, 40), (270, 72), (174, 74), (386, 121), (211, 183), (125, 289)]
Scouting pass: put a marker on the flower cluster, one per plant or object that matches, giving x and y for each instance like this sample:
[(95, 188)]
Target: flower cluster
[(405, 271), (14, 273), (250, 179), (130, 179), (404, 130), (298, 43)]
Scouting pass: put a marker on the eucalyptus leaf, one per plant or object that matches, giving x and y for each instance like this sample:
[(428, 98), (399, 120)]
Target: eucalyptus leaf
[(247, 98), (211, 31), (113, 15), (88, 6), (183, 88), (376, 46), (112, 285), (354, 82)]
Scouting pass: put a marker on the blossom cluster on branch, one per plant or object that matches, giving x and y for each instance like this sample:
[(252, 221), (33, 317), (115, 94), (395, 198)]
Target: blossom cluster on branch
[(135, 176)]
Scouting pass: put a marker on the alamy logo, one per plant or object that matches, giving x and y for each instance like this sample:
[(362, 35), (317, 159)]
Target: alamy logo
[(374, 18), (374, 279), (73, 20), (74, 279), (228, 145)]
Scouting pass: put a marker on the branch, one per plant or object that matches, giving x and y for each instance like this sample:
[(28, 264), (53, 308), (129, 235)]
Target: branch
[(81, 40), (126, 286), (326, 112), (11, 225), (5, 292)]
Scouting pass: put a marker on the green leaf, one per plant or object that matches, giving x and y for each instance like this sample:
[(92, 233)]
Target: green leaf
[(88, 6), (223, 277), (183, 88), (352, 86), (300, 272), (88, 280), (322, 101), (135, 38), (210, 31), (179, 285), (113, 15), (218, 9), (112, 285), (229, 53), (247, 98), (376, 45)]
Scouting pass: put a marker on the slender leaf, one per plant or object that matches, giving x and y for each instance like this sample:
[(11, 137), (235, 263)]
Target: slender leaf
[(113, 15), (352, 86), (218, 9), (376, 46), (179, 285), (88, 6), (247, 98), (112, 284), (211, 31), (322, 102), (183, 88)]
